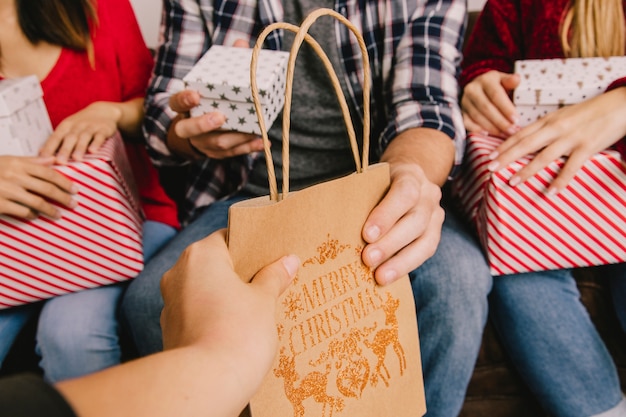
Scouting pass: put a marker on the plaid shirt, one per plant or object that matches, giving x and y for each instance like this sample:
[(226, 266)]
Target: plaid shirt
[(414, 50)]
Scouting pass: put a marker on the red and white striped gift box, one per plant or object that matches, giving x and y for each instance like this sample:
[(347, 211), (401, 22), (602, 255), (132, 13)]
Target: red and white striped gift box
[(95, 244), (523, 229)]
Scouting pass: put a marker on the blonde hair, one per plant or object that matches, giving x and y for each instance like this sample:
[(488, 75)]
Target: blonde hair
[(593, 28)]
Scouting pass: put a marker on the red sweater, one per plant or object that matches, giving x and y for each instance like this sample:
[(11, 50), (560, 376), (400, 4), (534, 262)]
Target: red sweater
[(510, 30), (123, 65)]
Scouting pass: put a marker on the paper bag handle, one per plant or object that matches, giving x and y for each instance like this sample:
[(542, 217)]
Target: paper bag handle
[(301, 35)]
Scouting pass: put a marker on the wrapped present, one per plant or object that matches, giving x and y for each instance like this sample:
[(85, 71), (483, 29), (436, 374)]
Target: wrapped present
[(549, 84), (97, 243), (523, 229), (24, 121), (222, 77)]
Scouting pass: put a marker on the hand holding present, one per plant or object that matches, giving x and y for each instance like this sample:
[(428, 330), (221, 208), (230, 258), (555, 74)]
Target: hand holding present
[(27, 185), (487, 106), (577, 131)]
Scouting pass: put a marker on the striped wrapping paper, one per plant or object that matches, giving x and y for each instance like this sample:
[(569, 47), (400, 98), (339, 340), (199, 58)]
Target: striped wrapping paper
[(95, 244), (522, 229)]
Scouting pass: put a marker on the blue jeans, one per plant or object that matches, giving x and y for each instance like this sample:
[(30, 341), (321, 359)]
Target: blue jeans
[(551, 340), (616, 275), (77, 333), (450, 291), (142, 303)]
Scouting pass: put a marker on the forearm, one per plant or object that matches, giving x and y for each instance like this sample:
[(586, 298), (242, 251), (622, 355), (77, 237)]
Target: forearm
[(130, 117), (185, 382), (430, 149)]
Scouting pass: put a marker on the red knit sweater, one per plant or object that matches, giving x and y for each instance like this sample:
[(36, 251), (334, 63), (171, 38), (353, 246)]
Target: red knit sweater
[(510, 30), (123, 65)]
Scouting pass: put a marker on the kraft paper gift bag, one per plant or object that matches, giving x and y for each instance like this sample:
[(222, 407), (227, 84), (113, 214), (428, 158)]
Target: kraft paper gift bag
[(347, 347)]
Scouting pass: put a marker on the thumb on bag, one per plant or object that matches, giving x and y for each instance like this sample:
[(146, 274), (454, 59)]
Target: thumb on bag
[(276, 277)]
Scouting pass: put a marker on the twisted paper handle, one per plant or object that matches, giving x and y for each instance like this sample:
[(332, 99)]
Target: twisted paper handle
[(301, 35)]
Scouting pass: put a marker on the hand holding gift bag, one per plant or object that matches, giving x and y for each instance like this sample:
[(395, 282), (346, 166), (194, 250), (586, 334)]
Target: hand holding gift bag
[(346, 346)]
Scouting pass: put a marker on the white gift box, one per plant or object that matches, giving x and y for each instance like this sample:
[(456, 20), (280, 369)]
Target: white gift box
[(97, 243), (222, 77), (549, 84), (24, 121)]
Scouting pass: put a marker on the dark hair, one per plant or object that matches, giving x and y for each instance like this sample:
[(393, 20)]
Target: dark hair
[(61, 22)]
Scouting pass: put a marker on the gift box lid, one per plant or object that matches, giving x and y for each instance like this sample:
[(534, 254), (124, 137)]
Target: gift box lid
[(16, 93), (224, 73), (565, 81)]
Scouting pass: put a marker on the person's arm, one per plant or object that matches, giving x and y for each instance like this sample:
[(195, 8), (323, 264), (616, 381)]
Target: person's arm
[(85, 131), (28, 185), (209, 364), (423, 141), (577, 132), (488, 61)]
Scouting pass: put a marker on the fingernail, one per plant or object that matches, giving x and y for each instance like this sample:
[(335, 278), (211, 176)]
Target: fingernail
[(291, 264), (493, 166), (514, 181), (372, 233), (374, 256), (493, 155), (514, 119), (552, 191), (216, 119), (73, 204), (74, 189), (513, 130)]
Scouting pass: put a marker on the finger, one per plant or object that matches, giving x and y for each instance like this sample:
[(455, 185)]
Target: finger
[(572, 165), (11, 208), (503, 101), (525, 142), (241, 43), (31, 203), (390, 210), (66, 149), (276, 277), (250, 144), (478, 101), (53, 177), (52, 143), (194, 126), (82, 144), (97, 142), (184, 101), (412, 255), (471, 126)]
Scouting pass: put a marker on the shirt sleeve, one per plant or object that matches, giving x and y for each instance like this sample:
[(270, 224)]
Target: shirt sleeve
[(184, 38), (425, 85), (494, 43), (134, 59)]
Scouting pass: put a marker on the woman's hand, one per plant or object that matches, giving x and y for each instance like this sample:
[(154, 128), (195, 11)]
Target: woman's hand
[(577, 132), (83, 132), (27, 185), (487, 106)]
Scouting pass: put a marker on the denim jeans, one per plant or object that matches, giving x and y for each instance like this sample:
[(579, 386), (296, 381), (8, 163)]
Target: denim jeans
[(616, 274), (12, 320), (142, 303), (450, 291), (77, 333), (551, 340)]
